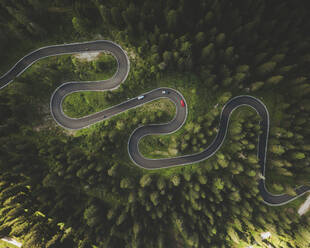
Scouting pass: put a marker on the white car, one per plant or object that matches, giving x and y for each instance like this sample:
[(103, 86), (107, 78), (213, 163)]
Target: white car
[(140, 97), (164, 92)]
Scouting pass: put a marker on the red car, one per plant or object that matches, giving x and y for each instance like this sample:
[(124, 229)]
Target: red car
[(182, 103)]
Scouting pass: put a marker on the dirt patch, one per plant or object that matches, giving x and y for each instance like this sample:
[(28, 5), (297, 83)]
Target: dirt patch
[(304, 208), (90, 56), (12, 241)]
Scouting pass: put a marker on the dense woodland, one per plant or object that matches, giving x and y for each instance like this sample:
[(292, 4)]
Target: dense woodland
[(62, 189)]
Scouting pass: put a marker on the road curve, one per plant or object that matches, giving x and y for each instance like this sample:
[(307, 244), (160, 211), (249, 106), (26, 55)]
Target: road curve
[(173, 95)]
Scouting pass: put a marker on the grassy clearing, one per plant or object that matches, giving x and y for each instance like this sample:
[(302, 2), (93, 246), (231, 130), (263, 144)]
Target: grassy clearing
[(159, 106), (159, 146), (79, 104)]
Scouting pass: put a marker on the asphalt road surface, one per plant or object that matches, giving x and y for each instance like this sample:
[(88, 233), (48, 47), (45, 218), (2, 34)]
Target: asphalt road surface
[(173, 95)]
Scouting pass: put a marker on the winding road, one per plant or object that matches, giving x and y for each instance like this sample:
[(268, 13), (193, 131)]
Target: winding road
[(181, 112)]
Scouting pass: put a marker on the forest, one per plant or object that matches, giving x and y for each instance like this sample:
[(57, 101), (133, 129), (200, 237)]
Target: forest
[(63, 189)]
